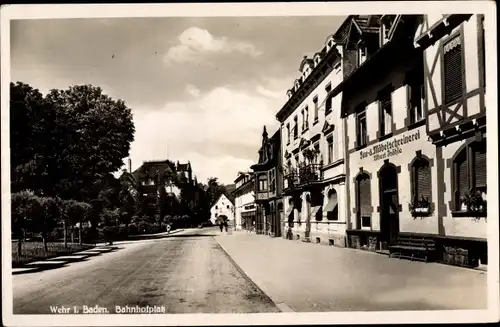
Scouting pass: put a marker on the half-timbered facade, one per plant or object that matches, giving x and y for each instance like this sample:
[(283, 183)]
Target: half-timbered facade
[(268, 186), (387, 145), (455, 88), (313, 156)]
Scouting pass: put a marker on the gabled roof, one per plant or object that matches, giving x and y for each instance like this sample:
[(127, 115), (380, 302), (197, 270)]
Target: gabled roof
[(218, 199), (361, 24)]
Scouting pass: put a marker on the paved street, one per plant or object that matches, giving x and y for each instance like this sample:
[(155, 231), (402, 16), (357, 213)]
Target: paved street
[(309, 277), (187, 273)]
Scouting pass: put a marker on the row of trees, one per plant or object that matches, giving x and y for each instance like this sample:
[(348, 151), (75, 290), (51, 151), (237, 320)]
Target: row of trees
[(65, 147)]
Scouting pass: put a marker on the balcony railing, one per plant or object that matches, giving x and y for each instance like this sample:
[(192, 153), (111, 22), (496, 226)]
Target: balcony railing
[(303, 175), (310, 173)]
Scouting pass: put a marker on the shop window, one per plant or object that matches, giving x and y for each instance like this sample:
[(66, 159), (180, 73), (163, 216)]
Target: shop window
[(453, 70), (363, 201), (316, 109), (385, 113), (469, 170), (361, 137), (328, 100), (422, 185), (332, 211)]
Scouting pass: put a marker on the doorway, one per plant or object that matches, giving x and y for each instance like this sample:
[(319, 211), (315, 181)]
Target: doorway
[(389, 204)]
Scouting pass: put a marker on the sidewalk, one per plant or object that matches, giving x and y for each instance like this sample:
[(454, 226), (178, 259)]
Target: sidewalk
[(62, 260), (310, 277)]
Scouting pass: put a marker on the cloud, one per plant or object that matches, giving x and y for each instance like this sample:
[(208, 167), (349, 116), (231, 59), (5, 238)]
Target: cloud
[(195, 42), (268, 93), (219, 132), (192, 90)]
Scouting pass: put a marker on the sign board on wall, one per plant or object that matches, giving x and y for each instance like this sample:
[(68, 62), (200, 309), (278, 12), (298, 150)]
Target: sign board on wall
[(390, 148)]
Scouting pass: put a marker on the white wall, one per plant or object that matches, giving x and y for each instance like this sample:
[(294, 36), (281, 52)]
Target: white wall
[(222, 207)]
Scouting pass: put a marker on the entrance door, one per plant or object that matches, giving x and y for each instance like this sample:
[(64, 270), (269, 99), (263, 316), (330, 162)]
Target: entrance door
[(389, 204)]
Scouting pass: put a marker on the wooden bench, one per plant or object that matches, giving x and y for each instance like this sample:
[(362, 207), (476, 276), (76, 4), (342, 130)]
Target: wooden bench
[(413, 247)]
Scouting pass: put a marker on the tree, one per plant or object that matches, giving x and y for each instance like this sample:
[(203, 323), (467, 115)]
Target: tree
[(48, 217), (97, 135), (19, 215), (32, 139)]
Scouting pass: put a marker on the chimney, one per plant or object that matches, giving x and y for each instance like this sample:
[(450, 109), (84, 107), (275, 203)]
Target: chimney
[(130, 165)]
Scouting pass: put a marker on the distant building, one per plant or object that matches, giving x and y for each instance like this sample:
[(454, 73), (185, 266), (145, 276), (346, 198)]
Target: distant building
[(157, 184), (223, 209), (244, 201), (268, 186)]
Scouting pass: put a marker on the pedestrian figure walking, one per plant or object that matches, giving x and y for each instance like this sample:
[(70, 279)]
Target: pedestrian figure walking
[(221, 226)]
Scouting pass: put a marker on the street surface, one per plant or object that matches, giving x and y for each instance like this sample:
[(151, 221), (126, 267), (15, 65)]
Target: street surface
[(187, 272)]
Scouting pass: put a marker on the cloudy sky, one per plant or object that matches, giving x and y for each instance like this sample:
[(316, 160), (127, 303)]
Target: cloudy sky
[(200, 89)]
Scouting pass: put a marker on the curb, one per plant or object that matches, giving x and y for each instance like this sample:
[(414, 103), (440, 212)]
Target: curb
[(258, 284), (138, 239)]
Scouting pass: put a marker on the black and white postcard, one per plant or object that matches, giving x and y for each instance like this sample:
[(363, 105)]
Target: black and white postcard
[(249, 163)]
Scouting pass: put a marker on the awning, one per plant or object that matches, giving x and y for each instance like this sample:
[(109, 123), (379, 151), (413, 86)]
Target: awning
[(332, 203), (314, 211)]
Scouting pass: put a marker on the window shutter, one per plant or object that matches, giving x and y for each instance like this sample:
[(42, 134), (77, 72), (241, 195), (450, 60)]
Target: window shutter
[(424, 181), (453, 70), (463, 181), (480, 167), (365, 205)]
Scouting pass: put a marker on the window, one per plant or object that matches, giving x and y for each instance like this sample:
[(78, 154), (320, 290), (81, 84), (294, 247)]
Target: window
[(416, 95), (227, 206), (482, 50), (469, 169), (302, 119), (295, 128), (328, 101), (272, 181), (316, 109), (363, 201), (329, 142), (317, 150), (297, 160), (361, 129), (332, 211), (216, 207), (385, 115), (306, 118), (262, 183), (422, 184), (452, 70), (416, 92), (288, 133)]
